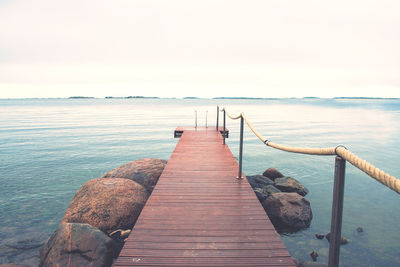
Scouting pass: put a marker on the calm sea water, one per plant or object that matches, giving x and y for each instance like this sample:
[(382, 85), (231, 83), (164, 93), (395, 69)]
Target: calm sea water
[(50, 147)]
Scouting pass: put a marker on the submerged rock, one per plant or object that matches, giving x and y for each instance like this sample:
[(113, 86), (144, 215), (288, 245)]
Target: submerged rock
[(343, 240), (319, 236), (76, 244), (289, 184), (143, 171), (108, 204), (314, 255), (272, 173), (22, 247), (14, 265), (288, 211)]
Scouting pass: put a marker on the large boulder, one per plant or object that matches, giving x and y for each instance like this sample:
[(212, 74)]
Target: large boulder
[(263, 193), (288, 211), (108, 204), (272, 173), (260, 194), (270, 189), (259, 181), (76, 244), (143, 171), (289, 184)]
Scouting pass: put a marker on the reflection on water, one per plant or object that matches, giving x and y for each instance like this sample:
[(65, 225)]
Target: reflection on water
[(50, 147)]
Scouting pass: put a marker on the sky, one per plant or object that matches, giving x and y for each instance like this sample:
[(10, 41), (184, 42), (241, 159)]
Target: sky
[(207, 48)]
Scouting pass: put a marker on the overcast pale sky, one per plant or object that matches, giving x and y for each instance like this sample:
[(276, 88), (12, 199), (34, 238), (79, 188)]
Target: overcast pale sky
[(207, 48)]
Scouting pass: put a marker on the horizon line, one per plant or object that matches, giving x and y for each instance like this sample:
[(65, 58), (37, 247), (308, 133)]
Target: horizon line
[(195, 97)]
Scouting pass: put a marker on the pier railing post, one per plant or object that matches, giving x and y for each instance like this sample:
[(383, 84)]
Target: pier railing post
[(224, 127), (195, 119), (217, 117), (206, 118), (241, 147), (337, 212)]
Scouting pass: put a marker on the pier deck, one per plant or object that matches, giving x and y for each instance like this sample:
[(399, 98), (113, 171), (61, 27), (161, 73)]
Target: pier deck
[(199, 214)]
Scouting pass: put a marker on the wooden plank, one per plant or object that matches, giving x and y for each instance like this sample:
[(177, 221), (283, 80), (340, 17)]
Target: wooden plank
[(200, 215), (205, 253), (141, 237), (206, 245), (171, 261), (196, 232)]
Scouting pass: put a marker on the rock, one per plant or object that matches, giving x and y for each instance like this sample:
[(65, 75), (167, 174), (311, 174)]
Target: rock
[(288, 211), (76, 244), (121, 234), (319, 236), (263, 193), (270, 189), (21, 247), (343, 240), (272, 173), (14, 265), (143, 171), (289, 184), (260, 194), (314, 255), (360, 230), (108, 204), (259, 181)]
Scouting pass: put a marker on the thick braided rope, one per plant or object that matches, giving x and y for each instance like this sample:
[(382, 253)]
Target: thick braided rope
[(304, 150), (379, 175), (233, 118), (257, 133), (230, 116)]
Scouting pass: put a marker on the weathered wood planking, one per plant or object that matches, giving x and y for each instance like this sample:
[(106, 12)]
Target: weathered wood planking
[(199, 214)]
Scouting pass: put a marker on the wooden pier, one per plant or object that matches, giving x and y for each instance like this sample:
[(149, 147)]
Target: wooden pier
[(199, 214)]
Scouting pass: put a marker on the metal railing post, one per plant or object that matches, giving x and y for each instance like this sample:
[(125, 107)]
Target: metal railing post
[(206, 118), (195, 120), (224, 127), (337, 212), (217, 117), (241, 147)]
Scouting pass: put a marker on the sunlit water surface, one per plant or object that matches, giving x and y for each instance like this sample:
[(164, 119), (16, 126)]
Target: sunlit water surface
[(50, 147)]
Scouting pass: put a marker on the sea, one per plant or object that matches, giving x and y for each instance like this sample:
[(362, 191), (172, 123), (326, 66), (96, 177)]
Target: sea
[(50, 147)]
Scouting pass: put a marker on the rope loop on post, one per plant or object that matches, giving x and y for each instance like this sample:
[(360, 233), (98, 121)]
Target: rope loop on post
[(339, 147)]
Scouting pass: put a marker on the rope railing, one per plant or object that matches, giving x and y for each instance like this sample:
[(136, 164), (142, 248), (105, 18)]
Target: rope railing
[(342, 155), (379, 175)]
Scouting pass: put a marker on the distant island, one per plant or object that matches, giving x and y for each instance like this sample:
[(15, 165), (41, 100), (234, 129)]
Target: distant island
[(242, 97), (79, 97), (361, 97), (137, 96)]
